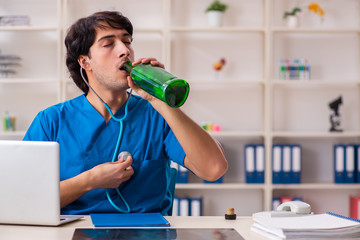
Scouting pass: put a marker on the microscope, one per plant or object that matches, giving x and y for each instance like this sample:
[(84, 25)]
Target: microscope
[(335, 118)]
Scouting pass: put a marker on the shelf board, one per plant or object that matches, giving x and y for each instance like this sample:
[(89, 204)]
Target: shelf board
[(318, 83), (28, 80), (218, 30), (316, 134), (12, 134), (316, 186), (227, 82), (204, 85), (29, 28), (220, 186), (236, 134), (314, 30), (148, 30)]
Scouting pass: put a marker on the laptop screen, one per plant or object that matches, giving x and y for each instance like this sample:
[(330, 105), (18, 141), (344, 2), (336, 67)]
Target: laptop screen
[(29, 182)]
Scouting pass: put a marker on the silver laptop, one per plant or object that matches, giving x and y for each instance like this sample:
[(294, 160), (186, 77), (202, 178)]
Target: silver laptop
[(30, 183)]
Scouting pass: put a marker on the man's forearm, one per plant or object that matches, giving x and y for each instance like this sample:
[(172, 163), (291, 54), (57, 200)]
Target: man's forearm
[(73, 188), (204, 156)]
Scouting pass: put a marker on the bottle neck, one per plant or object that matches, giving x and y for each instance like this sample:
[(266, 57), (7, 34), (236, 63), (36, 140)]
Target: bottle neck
[(127, 66)]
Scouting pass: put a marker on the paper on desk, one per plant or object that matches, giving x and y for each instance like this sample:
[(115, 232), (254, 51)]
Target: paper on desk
[(304, 227)]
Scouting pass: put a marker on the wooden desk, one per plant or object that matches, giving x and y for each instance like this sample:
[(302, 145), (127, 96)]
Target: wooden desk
[(65, 232)]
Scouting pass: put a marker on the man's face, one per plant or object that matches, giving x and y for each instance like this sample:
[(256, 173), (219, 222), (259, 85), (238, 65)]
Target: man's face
[(111, 48)]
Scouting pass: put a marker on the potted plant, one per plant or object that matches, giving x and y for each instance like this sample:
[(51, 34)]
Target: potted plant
[(292, 19), (215, 12)]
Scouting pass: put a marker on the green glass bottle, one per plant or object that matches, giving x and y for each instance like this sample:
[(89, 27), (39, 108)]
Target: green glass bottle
[(159, 83)]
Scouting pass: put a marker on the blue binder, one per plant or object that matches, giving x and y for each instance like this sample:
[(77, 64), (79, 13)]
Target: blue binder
[(259, 163), (276, 163), (182, 174), (286, 165), (349, 174), (357, 163), (276, 201), (184, 207), (296, 163), (250, 163), (339, 163), (176, 206), (195, 207)]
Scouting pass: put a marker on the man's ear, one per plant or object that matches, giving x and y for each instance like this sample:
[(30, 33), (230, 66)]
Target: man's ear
[(84, 62)]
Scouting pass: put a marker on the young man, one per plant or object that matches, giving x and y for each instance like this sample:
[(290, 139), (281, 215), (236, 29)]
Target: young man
[(152, 132)]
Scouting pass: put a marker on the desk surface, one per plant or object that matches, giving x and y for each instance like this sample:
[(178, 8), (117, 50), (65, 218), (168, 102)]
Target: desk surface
[(65, 232)]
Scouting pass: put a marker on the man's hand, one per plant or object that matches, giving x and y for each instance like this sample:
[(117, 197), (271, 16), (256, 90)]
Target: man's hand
[(106, 175), (111, 174), (142, 93)]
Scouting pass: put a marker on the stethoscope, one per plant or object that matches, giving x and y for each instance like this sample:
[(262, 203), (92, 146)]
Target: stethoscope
[(115, 156)]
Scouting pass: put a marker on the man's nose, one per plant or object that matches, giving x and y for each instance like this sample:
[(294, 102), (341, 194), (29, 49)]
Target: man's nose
[(123, 51)]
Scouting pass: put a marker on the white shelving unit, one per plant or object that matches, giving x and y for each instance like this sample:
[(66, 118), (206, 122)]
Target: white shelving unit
[(37, 82), (248, 100)]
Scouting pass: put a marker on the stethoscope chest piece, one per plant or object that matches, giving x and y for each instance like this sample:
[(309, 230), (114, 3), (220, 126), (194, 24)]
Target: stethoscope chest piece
[(124, 155)]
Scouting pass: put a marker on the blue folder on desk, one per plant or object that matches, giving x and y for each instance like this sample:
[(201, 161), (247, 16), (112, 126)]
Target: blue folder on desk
[(129, 220)]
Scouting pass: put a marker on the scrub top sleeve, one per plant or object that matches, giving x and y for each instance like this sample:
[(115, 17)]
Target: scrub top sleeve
[(173, 148), (38, 129)]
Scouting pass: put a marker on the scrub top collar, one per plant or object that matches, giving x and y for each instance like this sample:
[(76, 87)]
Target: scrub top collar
[(90, 111)]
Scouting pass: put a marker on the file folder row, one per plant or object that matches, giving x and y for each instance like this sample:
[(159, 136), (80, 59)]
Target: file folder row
[(286, 163), (254, 163), (187, 206), (347, 163)]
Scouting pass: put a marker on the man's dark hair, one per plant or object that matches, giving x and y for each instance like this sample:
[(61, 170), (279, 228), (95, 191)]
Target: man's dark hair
[(81, 36)]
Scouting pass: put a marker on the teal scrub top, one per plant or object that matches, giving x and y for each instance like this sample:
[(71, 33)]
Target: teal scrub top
[(86, 141)]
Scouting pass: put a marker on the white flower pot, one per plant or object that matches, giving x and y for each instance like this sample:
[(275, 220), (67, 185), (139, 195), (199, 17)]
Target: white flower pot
[(292, 21), (215, 18)]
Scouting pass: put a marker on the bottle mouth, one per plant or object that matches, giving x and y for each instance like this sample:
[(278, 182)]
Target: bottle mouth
[(176, 93)]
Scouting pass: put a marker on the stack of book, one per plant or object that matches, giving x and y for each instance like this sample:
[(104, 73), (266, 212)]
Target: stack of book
[(14, 20), (7, 64)]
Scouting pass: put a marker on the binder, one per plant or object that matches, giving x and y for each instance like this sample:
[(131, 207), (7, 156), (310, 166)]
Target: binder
[(355, 207), (339, 158), (128, 220), (184, 207), (182, 175), (195, 206), (276, 164), (357, 163), (275, 203), (286, 199), (296, 164), (297, 199), (175, 211), (286, 164), (259, 163), (250, 163), (349, 175)]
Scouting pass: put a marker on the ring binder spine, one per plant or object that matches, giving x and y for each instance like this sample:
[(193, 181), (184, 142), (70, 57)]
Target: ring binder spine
[(342, 216)]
